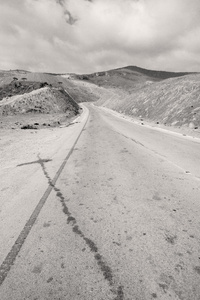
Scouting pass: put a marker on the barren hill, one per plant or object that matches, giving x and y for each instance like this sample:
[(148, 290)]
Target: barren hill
[(130, 77), (19, 88), (174, 101), (162, 97), (33, 105), (12, 79), (45, 100)]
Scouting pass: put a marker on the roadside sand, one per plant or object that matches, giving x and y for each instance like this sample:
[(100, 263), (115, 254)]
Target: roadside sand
[(38, 121), (17, 145)]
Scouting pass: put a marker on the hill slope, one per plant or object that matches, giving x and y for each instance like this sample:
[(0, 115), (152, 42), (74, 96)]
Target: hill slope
[(25, 79), (45, 100), (174, 101), (130, 77)]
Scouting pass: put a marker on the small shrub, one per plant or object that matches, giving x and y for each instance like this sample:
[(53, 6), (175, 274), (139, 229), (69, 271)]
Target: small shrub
[(28, 127)]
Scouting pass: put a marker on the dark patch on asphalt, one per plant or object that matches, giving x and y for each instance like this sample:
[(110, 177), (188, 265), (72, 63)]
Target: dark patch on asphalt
[(37, 269), (156, 197), (70, 219), (62, 265), (166, 282), (179, 267), (120, 293), (39, 161), (4, 189), (46, 224), (197, 269), (50, 279), (179, 254), (116, 243), (95, 221), (124, 151), (59, 194), (171, 238), (154, 295), (106, 270), (163, 286)]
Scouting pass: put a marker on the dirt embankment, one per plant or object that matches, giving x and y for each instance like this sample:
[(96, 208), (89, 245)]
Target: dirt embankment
[(173, 102), (45, 100), (19, 81), (46, 106), (20, 88)]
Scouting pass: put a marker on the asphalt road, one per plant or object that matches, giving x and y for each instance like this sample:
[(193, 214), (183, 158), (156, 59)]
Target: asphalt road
[(114, 215)]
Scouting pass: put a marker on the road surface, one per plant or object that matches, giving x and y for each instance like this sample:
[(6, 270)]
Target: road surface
[(110, 213)]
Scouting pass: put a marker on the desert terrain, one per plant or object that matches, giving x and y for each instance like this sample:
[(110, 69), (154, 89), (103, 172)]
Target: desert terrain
[(155, 97), (100, 185)]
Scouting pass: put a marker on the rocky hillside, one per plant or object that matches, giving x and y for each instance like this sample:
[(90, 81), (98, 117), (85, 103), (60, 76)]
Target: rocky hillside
[(174, 101), (20, 80), (46, 100), (19, 88)]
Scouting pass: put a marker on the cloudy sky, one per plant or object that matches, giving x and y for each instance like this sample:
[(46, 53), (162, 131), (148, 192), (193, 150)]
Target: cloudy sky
[(84, 36)]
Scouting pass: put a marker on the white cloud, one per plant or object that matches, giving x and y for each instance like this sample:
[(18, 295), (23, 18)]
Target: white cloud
[(86, 36)]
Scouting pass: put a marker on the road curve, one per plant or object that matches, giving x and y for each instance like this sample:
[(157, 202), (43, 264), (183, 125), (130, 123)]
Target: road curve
[(120, 222)]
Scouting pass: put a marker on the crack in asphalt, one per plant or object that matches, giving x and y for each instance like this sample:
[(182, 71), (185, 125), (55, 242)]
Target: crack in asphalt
[(139, 143), (9, 260), (71, 220), (159, 155), (129, 138)]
